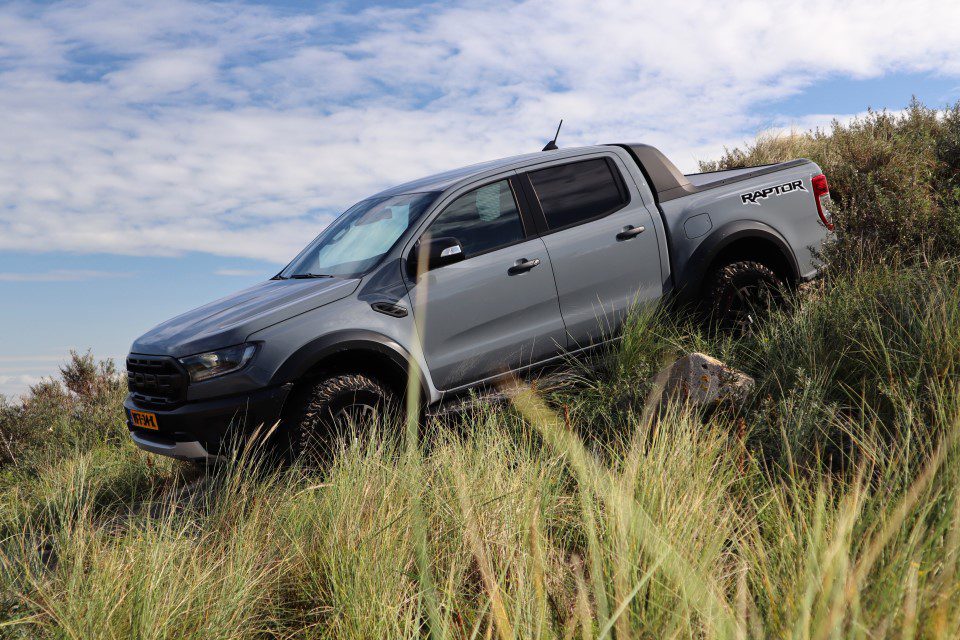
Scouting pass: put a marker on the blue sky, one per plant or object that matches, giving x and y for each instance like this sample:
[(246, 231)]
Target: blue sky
[(156, 155)]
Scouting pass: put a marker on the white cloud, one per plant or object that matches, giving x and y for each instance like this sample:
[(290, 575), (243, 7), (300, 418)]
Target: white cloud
[(16, 384), (12, 386), (237, 130), (60, 275), (163, 75), (244, 273), (32, 359), (19, 373)]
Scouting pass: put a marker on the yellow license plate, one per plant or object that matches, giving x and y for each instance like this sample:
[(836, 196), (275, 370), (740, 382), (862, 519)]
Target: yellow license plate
[(144, 420)]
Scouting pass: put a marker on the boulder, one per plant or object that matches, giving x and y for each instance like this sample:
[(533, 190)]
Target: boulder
[(701, 381)]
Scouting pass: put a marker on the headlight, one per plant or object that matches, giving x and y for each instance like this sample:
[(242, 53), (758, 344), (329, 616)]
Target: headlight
[(204, 366)]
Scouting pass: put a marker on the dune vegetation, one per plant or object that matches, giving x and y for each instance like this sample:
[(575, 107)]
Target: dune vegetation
[(825, 506)]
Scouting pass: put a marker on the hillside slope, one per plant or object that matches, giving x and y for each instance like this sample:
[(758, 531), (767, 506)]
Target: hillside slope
[(826, 505)]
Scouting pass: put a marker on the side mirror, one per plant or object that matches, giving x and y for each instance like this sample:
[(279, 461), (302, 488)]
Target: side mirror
[(440, 252)]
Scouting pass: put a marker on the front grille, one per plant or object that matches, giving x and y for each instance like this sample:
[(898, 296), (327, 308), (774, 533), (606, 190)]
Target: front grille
[(156, 380)]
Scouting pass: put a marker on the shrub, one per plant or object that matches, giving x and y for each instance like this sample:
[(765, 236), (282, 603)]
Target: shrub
[(894, 180), (73, 414)]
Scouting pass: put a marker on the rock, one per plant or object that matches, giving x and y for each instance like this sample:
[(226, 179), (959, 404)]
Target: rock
[(700, 380)]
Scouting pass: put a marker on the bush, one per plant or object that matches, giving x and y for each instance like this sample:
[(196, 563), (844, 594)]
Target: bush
[(894, 179), (73, 414)]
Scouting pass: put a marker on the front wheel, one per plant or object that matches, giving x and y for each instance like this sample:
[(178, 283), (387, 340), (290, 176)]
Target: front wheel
[(334, 412), (741, 294)]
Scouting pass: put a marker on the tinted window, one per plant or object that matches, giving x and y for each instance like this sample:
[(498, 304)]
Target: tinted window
[(482, 219), (572, 193)]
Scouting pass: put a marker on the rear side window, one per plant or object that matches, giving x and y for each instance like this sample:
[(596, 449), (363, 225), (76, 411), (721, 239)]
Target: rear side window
[(482, 220), (573, 193)]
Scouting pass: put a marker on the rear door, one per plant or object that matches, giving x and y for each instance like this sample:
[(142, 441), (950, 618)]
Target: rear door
[(496, 310), (601, 242)]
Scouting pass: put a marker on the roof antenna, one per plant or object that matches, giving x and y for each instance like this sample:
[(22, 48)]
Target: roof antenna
[(552, 145)]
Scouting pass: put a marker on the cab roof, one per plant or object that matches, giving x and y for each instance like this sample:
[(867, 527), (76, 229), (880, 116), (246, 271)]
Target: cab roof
[(447, 179)]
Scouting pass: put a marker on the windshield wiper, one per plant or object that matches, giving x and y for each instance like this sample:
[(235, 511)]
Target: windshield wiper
[(304, 276)]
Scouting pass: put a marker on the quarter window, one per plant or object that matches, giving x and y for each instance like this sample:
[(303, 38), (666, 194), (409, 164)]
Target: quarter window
[(573, 193), (481, 220)]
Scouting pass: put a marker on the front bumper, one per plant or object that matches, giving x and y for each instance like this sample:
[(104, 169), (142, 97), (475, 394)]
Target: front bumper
[(200, 430), (189, 450)]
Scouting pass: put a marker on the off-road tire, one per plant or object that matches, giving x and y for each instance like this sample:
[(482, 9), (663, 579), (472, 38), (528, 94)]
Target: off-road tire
[(320, 419), (740, 295)]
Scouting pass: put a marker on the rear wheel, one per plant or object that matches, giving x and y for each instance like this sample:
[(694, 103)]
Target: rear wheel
[(335, 412), (741, 294)]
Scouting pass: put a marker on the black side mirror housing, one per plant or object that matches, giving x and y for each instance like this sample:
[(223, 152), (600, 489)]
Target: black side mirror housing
[(440, 252)]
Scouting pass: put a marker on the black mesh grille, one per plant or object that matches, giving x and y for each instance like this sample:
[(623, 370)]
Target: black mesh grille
[(156, 380)]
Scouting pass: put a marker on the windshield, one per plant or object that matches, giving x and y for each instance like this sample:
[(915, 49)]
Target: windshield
[(357, 240)]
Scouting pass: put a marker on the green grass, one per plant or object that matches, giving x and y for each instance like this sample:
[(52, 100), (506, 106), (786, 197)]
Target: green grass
[(828, 505), (825, 506)]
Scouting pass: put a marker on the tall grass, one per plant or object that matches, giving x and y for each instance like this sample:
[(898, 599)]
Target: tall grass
[(827, 506)]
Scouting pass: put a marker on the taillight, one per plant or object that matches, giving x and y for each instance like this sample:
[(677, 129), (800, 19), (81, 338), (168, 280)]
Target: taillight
[(821, 193)]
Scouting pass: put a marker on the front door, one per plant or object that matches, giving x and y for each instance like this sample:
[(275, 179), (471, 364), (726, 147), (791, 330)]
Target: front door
[(602, 243), (485, 315)]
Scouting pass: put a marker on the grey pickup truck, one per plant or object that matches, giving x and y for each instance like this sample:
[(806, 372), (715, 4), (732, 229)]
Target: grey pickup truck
[(471, 275)]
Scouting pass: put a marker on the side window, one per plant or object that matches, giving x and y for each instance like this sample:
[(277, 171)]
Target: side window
[(572, 193), (483, 219)]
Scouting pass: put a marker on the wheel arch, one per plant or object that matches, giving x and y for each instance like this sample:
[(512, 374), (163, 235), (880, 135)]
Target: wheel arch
[(741, 240), (353, 351)]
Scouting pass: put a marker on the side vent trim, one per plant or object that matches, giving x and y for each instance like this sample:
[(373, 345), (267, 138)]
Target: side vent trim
[(390, 308)]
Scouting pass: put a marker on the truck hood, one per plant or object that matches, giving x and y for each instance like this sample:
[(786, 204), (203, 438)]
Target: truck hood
[(230, 320)]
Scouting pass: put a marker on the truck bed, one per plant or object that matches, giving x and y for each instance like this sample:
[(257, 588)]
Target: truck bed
[(711, 179), (668, 183), (703, 213)]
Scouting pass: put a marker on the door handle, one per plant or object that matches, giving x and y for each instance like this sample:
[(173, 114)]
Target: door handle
[(630, 231), (522, 265)]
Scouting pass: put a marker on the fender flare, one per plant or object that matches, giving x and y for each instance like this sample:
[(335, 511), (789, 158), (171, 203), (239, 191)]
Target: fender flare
[(347, 340), (690, 278)]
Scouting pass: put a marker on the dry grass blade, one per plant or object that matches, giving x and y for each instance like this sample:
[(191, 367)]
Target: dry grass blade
[(472, 531), (696, 588)]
